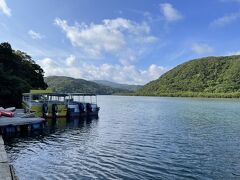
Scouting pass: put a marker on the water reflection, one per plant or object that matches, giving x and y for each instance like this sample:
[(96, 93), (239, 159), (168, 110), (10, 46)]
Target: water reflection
[(49, 127), (64, 124)]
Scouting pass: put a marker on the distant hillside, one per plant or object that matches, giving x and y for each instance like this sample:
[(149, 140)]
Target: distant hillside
[(67, 84), (117, 85), (209, 77)]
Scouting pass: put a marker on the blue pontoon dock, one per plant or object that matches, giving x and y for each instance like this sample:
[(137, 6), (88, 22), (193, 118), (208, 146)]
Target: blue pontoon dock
[(20, 123)]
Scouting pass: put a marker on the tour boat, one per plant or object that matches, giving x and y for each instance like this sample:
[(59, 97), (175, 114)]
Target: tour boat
[(45, 103), (82, 105)]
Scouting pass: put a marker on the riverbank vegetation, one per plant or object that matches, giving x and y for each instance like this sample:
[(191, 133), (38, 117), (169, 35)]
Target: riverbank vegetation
[(205, 77), (18, 74)]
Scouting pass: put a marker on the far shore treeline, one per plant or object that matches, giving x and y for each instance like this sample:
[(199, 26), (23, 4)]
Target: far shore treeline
[(18, 74)]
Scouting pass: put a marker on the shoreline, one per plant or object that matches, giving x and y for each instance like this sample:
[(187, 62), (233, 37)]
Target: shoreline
[(187, 95)]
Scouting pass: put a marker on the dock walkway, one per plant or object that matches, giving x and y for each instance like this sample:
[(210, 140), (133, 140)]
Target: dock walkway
[(17, 121), (5, 171)]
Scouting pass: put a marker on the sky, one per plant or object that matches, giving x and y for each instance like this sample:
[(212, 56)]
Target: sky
[(124, 41)]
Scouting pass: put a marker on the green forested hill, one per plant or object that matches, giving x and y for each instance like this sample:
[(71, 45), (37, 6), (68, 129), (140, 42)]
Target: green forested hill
[(18, 74), (118, 85), (208, 77), (67, 84)]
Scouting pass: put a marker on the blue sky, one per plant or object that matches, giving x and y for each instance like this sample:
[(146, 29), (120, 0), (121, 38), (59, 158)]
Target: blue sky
[(125, 41)]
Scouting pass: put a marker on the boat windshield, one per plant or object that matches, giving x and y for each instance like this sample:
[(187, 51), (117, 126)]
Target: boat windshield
[(83, 97), (35, 98), (57, 97)]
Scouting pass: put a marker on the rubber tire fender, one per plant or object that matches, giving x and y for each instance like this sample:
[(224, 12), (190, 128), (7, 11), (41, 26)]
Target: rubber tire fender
[(89, 107), (45, 108), (81, 107), (54, 108)]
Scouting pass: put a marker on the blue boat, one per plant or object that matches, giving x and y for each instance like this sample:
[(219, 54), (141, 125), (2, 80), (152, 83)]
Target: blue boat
[(82, 105)]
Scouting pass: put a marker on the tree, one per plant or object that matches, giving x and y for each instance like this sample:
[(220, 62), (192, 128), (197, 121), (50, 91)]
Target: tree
[(18, 74)]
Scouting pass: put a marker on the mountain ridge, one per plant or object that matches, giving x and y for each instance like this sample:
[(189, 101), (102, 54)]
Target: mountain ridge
[(64, 84), (118, 85), (207, 77)]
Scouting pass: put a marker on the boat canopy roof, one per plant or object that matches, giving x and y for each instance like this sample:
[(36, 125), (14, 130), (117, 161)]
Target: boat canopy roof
[(81, 94), (46, 93), (50, 93)]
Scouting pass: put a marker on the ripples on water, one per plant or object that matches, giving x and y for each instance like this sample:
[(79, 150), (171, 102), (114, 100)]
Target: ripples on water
[(137, 138)]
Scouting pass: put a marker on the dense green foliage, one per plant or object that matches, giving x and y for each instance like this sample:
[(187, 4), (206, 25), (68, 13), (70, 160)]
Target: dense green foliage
[(64, 84), (18, 74), (119, 86), (205, 77)]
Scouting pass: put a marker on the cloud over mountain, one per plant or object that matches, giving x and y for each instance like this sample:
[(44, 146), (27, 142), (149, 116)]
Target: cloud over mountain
[(120, 37)]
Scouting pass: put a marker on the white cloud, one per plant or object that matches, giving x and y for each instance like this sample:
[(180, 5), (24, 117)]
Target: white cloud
[(4, 8), (35, 35), (116, 73), (170, 13), (51, 67), (71, 60), (222, 21), (116, 37), (201, 48), (233, 53)]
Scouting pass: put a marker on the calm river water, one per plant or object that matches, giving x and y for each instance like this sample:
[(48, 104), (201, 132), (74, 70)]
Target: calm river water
[(138, 138)]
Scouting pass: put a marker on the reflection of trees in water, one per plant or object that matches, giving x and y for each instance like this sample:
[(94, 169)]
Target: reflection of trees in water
[(68, 124)]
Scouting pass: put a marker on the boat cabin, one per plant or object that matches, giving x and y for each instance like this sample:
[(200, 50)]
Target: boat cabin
[(82, 104), (45, 103)]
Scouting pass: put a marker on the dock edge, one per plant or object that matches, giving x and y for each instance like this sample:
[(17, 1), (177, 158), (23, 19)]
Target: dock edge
[(7, 172)]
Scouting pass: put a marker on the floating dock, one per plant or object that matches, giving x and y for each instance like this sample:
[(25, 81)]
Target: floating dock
[(20, 124), (18, 121), (6, 172)]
